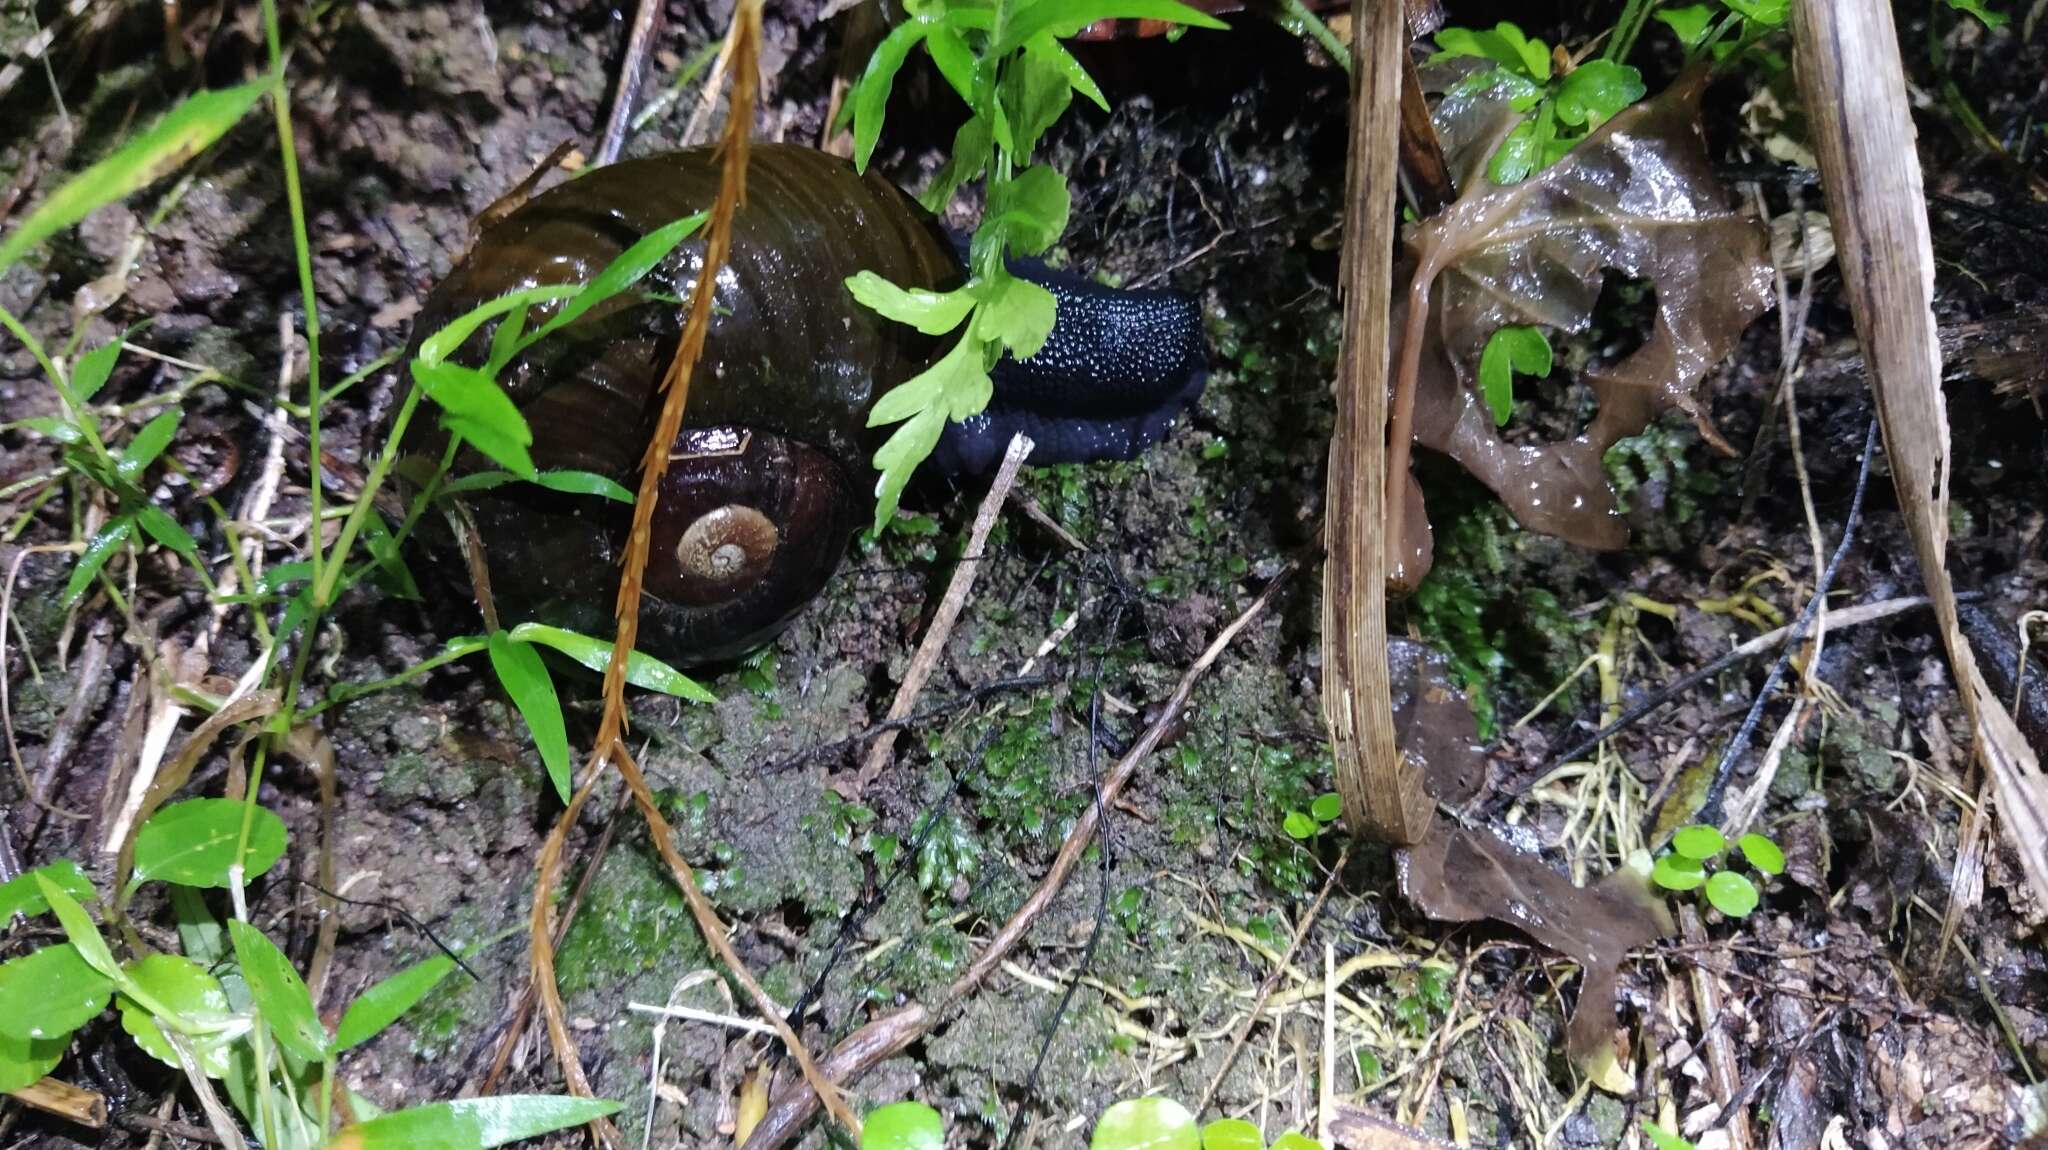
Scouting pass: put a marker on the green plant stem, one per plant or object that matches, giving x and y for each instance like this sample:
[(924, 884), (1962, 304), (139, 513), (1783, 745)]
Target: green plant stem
[(1306, 22), (325, 584), (1627, 29), (346, 692), (72, 404), (280, 102)]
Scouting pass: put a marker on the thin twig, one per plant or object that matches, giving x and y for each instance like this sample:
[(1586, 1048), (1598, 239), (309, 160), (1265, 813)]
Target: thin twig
[(957, 590), (891, 1033), (646, 26), (1710, 810), (1768, 641)]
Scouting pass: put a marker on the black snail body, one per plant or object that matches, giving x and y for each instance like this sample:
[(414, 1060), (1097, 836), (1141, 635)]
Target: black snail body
[(770, 477)]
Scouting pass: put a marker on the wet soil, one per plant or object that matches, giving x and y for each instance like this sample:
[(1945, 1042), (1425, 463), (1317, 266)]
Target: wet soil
[(1219, 172)]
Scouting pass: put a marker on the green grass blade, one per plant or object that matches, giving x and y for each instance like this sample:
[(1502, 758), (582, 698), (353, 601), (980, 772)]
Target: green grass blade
[(183, 133)]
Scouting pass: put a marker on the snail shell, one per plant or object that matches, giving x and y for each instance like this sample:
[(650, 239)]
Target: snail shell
[(768, 479)]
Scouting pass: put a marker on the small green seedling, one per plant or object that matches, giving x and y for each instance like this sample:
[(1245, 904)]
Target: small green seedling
[(1684, 867), (1560, 102), (1302, 826), (231, 1007)]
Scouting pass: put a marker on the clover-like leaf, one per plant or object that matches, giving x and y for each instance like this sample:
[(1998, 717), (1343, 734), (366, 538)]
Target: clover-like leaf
[(1731, 894), (1762, 853)]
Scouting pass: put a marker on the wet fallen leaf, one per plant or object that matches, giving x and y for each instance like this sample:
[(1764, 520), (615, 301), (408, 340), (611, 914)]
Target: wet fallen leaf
[(1460, 875), (1637, 197)]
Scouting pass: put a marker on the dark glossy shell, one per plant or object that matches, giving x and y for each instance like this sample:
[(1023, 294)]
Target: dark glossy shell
[(775, 447)]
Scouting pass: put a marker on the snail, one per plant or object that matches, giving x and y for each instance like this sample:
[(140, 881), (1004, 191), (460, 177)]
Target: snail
[(770, 476)]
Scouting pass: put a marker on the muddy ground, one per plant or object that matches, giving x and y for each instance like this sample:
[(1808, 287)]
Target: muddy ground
[(1219, 173)]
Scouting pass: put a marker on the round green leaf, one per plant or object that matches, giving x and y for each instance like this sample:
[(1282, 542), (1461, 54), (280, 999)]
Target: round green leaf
[(1699, 842), (1731, 894), (1146, 1124), (193, 843), (903, 1126), (50, 992), (1762, 853), (1674, 872), (1300, 825), (1232, 1134), (176, 983), (1294, 1140), (27, 1060), (1327, 808)]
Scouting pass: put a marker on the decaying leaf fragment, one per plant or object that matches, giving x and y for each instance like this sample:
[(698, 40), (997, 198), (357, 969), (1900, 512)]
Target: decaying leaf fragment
[(1461, 875), (1458, 874), (1636, 197)]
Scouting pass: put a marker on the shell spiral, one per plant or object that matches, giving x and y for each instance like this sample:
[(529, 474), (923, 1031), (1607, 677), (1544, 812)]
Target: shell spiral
[(768, 479)]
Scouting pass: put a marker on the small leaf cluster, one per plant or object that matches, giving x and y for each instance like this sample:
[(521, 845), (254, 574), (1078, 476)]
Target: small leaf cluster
[(1684, 867), (1006, 63), (1303, 826), (1425, 997), (1148, 1123), (231, 1007), (84, 443), (1726, 29), (1560, 101)]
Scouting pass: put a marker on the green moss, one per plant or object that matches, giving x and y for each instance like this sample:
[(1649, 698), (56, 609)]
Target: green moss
[(1502, 633), (1661, 481), (633, 922)]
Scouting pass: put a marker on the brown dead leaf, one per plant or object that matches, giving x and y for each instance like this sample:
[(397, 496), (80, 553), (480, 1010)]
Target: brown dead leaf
[(1460, 875), (1637, 197)]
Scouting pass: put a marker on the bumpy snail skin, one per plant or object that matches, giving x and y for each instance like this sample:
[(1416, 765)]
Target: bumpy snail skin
[(771, 474)]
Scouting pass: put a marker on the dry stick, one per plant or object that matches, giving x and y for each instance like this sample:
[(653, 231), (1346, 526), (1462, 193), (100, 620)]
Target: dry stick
[(890, 1034), (72, 1103), (1244, 1029), (522, 1010), (744, 43), (935, 636), (1383, 795), (646, 25), (715, 934), (91, 675), (1722, 1066), (1862, 129), (1848, 617)]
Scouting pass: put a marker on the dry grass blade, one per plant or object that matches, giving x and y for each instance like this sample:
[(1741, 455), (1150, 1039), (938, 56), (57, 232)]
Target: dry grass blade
[(1854, 86), (743, 48), (1383, 796)]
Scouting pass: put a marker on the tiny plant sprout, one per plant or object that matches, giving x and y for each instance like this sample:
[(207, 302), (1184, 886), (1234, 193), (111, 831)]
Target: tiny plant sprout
[(1685, 867)]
